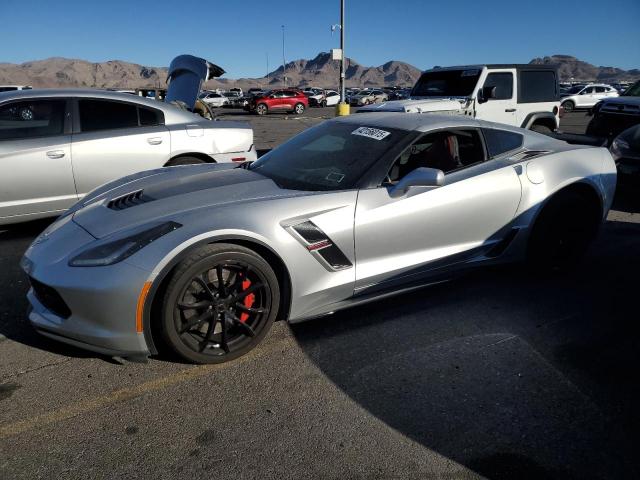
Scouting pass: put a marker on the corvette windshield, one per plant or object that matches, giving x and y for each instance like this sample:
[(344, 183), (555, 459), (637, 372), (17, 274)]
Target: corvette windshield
[(446, 83), (331, 156)]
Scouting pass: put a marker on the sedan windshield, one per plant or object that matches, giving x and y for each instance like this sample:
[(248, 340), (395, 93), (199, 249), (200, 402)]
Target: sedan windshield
[(446, 83), (331, 156)]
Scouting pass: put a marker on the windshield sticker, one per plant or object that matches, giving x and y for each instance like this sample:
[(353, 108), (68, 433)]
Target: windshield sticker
[(469, 73), (335, 177), (368, 132)]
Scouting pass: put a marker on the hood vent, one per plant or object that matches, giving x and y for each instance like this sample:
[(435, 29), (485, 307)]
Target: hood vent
[(129, 200)]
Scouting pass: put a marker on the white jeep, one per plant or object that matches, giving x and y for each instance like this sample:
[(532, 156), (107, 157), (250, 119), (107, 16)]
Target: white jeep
[(521, 95)]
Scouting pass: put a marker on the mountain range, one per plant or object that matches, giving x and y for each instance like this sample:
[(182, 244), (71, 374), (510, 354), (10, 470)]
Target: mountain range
[(321, 71)]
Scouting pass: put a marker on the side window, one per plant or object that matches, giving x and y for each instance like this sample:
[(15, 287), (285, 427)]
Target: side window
[(98, 115), (503, 81), (32, 118), (150, 117), (446, 151), (588, 91), (600, 89), (537, 86), (501, 141)]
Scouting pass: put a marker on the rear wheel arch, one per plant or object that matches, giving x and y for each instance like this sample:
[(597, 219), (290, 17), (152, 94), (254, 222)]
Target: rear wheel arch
[(154, 300), (176, 160)]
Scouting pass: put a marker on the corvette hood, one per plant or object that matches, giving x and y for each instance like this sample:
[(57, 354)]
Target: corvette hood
[(170, 192), (416, 106)]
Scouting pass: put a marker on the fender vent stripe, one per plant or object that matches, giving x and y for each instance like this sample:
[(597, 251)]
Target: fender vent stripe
[(319, 244)]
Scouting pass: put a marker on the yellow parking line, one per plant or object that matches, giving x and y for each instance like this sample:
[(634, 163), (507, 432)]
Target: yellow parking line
[(108, 399)]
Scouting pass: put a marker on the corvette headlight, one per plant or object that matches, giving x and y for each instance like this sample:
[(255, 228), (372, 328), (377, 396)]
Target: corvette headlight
[(117, 250)]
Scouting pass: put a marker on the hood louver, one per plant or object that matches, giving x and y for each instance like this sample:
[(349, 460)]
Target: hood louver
[(129, 200)]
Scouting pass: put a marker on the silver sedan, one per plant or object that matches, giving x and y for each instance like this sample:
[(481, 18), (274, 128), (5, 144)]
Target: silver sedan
[(205, 258), (57, 145)]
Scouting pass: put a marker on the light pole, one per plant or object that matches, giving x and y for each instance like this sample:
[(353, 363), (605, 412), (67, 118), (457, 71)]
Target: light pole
[(342, 60), (284, 63)]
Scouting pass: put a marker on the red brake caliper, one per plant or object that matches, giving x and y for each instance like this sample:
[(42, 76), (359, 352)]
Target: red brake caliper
[(248, 300)]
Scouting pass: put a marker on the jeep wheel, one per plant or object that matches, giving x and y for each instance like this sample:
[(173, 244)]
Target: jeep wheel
[(541, 129), (568, 106)]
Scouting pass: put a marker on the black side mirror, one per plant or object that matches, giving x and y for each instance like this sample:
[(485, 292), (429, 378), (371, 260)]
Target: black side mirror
[(486, 93)]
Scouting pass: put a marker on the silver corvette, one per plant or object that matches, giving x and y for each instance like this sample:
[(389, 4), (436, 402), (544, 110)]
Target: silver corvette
[(204, 258)]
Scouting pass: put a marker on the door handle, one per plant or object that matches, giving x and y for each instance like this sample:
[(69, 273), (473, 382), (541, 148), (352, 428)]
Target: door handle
[(510, 110), (55, 153), (154, 140)]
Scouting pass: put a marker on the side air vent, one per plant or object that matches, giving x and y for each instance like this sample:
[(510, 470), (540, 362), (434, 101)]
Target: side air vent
[(129, 200), (527, 154), (321, 246)]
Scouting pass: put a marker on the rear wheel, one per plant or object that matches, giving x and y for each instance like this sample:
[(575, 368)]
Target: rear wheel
[(562, 233), (185, 161), (220, 303), (262, 109), (298, 109), (568, 106)]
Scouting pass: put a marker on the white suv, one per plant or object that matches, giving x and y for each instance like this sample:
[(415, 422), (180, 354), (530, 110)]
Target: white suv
[(586, 96), (521, 95)]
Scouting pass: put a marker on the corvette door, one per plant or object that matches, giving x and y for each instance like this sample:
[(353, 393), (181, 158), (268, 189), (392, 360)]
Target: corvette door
[(399, 240)]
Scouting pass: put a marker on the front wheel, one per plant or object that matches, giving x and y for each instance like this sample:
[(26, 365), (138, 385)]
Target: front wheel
[(298, 109), (184, 161), (220, 303), (261, 109), (568, 106), (541, 129)]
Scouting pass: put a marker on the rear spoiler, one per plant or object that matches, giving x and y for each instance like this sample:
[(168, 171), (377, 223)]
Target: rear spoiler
[(185, 77)]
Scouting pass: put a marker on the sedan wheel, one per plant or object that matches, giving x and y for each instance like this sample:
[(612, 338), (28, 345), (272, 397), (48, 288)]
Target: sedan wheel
[(26, 114), (219, 304)]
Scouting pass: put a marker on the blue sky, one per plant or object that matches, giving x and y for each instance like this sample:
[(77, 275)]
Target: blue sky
[(238, 35)]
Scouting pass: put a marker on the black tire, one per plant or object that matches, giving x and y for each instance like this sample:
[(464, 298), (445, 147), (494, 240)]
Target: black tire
[(541, 129), (262, 109), (323, 104), (298, 109), (184, 161), (568, 106), (230, 316), (562, 232)]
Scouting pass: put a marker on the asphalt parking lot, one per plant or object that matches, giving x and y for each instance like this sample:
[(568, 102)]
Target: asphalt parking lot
[(499, 374)]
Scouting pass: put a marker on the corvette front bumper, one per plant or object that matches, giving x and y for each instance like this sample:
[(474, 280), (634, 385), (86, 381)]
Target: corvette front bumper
[(91, 307)]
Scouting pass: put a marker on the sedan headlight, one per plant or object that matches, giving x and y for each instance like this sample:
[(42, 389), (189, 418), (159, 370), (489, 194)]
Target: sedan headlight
[(117, 250)]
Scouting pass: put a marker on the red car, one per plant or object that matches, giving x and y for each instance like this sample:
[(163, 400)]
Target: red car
[(286, 99)]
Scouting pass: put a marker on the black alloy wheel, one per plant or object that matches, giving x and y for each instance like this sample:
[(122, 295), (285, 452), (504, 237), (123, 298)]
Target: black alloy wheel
[(220, 303)]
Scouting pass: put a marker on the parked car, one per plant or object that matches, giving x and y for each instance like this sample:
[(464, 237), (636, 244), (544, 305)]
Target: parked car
[(625, 150), (353, 209), (586, 96), (234, 100), (368, 97), (237, 91), (214, 99), (327, 98), (612, 116), (254, 91), (282, 100), (522, 95), (74, 140), (13, 88)]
